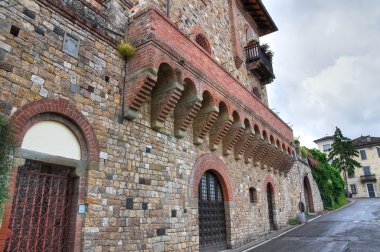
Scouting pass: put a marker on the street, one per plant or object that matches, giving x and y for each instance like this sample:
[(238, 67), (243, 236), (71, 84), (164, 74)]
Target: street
[(353, 228)]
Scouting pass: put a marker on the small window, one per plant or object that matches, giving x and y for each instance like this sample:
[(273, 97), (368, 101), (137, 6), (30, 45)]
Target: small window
[(378, 151), (353, 189), (363, 155), (202, 41), (256, 92), (253, 195), (326, 147), (367, 170)]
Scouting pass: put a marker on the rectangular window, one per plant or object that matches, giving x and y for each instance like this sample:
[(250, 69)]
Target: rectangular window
[(378, 151), (353, 189), (326, 147), (363, 155), (367, 170)]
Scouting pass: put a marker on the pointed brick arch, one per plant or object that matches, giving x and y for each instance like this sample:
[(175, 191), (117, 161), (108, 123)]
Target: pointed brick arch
[(207, 162), (62, 107)]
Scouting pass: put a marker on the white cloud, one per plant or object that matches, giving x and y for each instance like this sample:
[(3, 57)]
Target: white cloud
[(327, 66)]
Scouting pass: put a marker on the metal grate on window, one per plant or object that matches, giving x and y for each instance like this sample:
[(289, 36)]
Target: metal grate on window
[(202, 41), (204, 187)]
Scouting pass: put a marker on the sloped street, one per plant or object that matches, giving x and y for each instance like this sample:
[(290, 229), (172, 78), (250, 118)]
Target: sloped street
[(353, 228)]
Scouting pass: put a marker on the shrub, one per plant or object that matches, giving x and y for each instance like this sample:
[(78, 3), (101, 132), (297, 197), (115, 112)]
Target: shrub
[(6, 156), (126, 50), (329, 181)]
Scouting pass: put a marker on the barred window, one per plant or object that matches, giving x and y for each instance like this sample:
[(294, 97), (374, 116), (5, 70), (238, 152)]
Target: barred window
[(202, 41), (253, 195)]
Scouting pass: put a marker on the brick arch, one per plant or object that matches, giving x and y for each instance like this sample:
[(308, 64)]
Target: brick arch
[(25, 114), (207, 162), (306, 183), (269, 180)]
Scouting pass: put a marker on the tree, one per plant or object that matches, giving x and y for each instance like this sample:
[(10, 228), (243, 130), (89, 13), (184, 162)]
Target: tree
[(342, 154)]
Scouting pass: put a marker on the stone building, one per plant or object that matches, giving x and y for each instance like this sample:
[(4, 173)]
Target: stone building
[(365, 183), (174, 149)]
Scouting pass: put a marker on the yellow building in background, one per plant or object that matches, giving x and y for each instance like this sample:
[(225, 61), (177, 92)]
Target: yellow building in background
[(366, 180)]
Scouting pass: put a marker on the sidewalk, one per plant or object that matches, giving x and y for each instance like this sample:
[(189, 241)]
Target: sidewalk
[(271, 235)]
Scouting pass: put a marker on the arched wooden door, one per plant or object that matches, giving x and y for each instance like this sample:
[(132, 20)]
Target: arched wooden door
[(270, 206), (307, 195), (212, 219)]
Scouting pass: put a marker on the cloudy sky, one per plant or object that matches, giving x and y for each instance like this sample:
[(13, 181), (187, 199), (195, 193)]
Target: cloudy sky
[(327, 66)]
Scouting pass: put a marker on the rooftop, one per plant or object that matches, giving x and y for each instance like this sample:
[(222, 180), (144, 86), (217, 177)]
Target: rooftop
[(363, 141), (324, 139)]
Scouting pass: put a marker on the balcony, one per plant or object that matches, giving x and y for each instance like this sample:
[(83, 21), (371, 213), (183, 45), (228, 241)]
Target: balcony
[(259, 64), (368, 178)]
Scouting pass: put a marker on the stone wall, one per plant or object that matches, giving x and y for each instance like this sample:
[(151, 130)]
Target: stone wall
[(138, 190)]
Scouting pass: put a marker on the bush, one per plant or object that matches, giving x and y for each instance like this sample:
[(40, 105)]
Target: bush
[(293, 222), (6, 156), (329, 181), (126, 50)]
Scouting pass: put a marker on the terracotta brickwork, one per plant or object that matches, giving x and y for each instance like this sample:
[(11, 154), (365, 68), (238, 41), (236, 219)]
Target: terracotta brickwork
[(148, 131)]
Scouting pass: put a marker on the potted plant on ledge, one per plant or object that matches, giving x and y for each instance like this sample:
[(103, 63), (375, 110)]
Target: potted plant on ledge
[(253, 42)]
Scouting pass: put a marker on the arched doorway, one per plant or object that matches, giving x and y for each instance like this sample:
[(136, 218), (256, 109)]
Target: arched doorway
[(55, 146), (212, 219), (307, 195), (270, 200)]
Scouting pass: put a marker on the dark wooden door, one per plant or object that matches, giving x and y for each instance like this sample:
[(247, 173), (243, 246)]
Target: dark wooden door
[(41, 209), (270, 206), (212, 219), (371, 190)]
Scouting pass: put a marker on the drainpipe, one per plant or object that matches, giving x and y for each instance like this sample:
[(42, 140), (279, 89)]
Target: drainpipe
[(168, 7)]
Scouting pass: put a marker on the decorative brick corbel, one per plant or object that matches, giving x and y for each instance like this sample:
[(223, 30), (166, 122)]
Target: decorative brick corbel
[(263, 150), (256, 144), (164, 99), (219, 130), (184, 114), (203, 122), (232, 137), (244, 142), (277, 156), (265, 158), (137, 88)]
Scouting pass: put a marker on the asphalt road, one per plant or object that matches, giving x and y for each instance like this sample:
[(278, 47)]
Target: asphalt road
[(353, 228)]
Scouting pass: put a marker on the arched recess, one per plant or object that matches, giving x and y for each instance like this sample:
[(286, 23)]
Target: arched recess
[(209, 163), (234, 134), (186, 108), (63, 172), (308, 195), (165, 94), (271, 205)]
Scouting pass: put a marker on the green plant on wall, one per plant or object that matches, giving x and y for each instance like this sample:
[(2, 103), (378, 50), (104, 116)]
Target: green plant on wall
[(7, 147), (126, 50)]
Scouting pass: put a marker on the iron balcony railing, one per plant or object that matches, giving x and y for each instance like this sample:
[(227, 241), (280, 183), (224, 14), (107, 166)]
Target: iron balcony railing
[(367, 178), (254, 53)]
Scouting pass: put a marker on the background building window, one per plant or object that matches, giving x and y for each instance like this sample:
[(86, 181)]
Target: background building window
[(363, 155), (202, 41), (353, 189), (378, 151), (253, 195), (326, 147), (367, 170)]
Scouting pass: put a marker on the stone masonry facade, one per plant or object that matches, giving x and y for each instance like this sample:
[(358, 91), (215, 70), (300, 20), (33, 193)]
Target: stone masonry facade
[(151, 126)]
